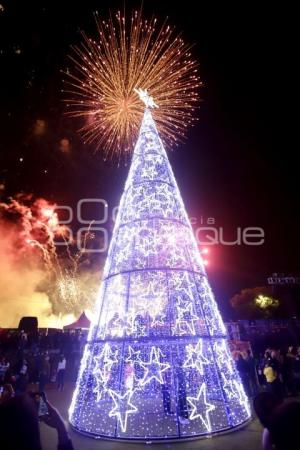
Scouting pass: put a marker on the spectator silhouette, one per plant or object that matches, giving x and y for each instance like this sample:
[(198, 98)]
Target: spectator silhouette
[(273, 382), (4, 367), (61, 368), (250, 360), (19, 426), (264, 405), (243, 368), (284, 426)]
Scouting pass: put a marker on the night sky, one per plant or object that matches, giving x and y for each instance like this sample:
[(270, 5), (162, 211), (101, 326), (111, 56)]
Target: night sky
[(237, 164)]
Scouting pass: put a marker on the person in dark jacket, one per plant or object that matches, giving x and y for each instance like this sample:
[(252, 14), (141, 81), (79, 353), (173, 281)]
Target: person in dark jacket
[(243, 369), (250, 360), (264, 404), (284, 426)]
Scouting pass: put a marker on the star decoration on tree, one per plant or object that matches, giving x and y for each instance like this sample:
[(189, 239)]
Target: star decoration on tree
[(181, 283), (241, 396), (102, 368), (122, 407), (133, 324), (148, 300), (154, 368), (161, 202), (213, 317), (235, 390), (184, 323), (139, 327), (101, 387), (134, 356), (207, 292), (130, 329), (212, 326), (107, 357), (229, 387), (146, 98), (158, 320), (201, 408), (153, 299), (195, 358), (224, 358)]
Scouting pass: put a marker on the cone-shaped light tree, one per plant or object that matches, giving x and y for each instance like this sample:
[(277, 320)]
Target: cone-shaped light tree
[(157, 363)]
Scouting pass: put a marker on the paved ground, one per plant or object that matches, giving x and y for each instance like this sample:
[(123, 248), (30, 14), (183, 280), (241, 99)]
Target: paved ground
[(248, 438)]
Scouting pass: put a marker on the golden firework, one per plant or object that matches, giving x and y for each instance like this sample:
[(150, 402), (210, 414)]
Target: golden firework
[(130, 54)]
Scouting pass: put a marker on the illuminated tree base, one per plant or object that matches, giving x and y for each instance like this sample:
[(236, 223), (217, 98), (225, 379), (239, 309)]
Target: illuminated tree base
[(166, 439), (157, 363), (154, 405)]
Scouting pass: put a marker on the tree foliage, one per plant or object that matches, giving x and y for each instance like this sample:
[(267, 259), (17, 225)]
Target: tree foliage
[(255, 303)]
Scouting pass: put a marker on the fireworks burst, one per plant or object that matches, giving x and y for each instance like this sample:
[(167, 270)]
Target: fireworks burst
[(36, 233), (39, 226), (70, 289), (130, 54)]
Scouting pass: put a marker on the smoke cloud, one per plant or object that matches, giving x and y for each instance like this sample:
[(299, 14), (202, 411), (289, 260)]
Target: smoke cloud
[(20, 294), (28, 278)]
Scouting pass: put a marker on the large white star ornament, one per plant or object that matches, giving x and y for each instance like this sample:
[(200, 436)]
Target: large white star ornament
[(102, 368), (106, 359), (134, 356), (154, 368), (201, 408), (184, 323), (123, 407), (242, 397), (229, 387), (101, 387), (224, 358), (195, 358)]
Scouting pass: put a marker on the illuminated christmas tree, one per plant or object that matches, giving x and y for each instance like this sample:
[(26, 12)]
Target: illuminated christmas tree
[(157, 364)]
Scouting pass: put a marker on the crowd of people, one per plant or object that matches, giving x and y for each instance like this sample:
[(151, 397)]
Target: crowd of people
[(30, 362), (280, 421), (269, 379), (277, 371), (43, 360), (39, 358)]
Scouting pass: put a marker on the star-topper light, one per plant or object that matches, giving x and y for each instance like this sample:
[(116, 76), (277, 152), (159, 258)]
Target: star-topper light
[(146, 98), (154, 274)]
